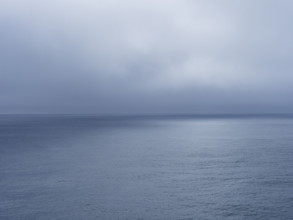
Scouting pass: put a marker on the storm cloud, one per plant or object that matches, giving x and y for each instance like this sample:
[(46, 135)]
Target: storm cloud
[(146, 56)]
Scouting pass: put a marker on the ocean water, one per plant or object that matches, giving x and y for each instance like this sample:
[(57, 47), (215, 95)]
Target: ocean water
[(172, 167)]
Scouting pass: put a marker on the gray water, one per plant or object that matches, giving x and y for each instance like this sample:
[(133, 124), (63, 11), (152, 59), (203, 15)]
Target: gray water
[(183, 167)]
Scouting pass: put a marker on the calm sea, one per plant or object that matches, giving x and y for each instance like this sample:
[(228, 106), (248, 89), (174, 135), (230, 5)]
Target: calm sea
[(172, 167)]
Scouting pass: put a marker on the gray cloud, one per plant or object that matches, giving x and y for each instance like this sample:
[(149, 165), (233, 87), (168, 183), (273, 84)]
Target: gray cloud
[(145, 56)]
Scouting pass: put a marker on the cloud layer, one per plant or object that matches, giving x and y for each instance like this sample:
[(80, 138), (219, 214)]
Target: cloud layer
[(86, 56)]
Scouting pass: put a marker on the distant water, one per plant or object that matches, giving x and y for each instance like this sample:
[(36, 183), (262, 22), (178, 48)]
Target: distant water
[(175, 167)]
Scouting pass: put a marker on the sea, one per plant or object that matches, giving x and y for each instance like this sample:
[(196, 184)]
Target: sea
[(75, 167)]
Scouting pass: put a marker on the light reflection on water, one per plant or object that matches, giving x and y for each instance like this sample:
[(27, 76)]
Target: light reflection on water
[(73, 167)]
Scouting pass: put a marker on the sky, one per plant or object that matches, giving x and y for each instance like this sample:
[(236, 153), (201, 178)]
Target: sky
[(146, 56)]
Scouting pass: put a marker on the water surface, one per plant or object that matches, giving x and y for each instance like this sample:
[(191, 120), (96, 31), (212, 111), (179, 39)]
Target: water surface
[(175, 167)]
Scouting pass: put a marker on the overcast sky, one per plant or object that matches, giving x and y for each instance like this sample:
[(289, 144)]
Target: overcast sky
[(146, 56)]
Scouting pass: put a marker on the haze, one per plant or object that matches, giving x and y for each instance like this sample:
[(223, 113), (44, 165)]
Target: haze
[(146, 56)]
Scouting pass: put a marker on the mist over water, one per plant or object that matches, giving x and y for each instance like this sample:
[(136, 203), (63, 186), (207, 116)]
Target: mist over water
[(146, 57), (195, 167)]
